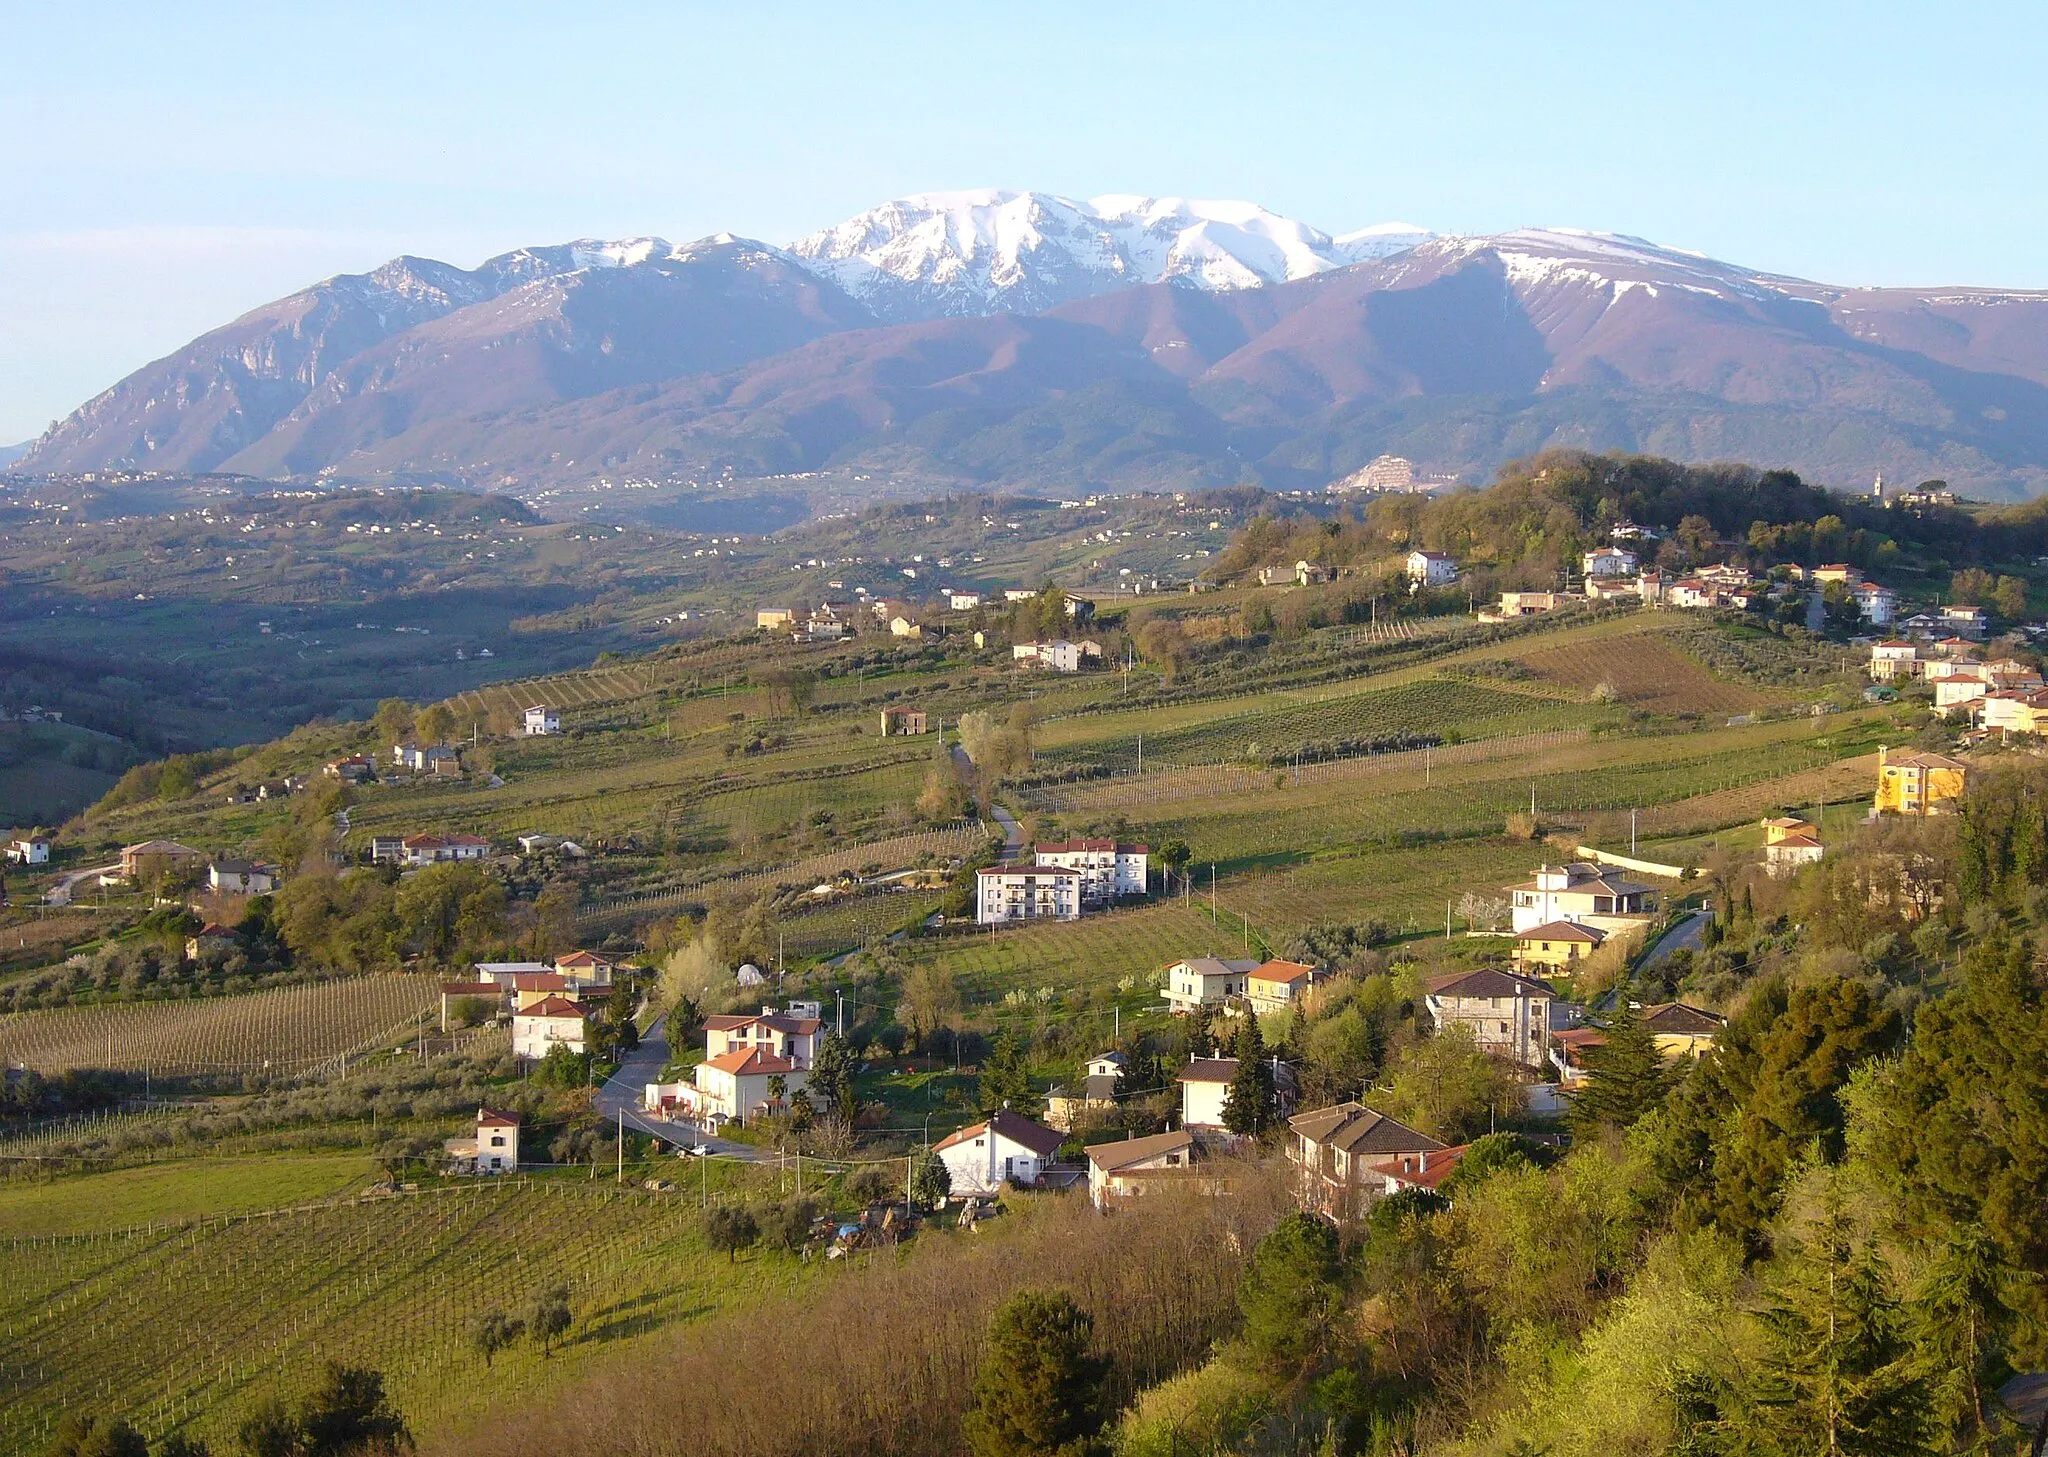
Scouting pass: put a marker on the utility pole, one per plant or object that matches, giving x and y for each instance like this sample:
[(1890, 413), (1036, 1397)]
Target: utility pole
[(1447, 918), (621, 1175), (1141, 753), (1212, 897), (1632, 832)]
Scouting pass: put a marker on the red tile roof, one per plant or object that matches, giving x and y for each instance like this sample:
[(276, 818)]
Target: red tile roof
[(750, 1062), (553, 1007)]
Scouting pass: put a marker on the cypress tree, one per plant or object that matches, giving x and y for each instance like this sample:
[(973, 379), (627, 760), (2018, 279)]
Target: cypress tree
[(1248, 1107)]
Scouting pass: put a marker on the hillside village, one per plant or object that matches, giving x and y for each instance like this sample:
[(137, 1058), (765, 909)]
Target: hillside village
[(898, 919)]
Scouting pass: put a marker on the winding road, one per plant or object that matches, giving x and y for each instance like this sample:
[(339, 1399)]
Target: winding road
[(60, 893), (1013, 833), (621, 1093)]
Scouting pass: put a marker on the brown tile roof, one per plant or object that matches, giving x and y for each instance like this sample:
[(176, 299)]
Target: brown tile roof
[(1109, 1157), (1016, 1128), (1562, 931), (1281, 971), (1437, 1164), (492, 1118), (1208, 1070), (553, 1007), (1357, 1129), (470, 989), (1677, 1017), (1488, 981)]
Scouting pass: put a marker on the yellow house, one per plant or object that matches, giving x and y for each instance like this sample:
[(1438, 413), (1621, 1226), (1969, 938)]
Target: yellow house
[(1912, 782), (1683, 1031), (1557, 943), (1784, 828)]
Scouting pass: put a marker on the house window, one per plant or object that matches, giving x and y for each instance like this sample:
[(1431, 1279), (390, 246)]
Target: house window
[(497, 1140)]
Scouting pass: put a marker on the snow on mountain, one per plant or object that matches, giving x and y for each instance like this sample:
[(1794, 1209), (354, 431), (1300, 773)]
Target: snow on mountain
[(938, 254)]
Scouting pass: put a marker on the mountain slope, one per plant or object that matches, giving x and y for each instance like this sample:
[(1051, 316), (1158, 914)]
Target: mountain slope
[(978, 338)]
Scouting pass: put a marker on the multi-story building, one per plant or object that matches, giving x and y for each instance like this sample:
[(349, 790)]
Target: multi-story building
[(1026, 892), (1913, 782), (1108, 869), (1508, 1014), (1579, 892), (1205, 981), (1347, 1157)]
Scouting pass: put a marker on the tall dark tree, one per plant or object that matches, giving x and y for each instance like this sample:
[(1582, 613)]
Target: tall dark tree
[(1289, 1295), (78, 1435), (347, 1414), (1039, 1390), (1249, 1107), (831, 1078), (1628, 1079), (1839, 1375), (1005, 1078), (732, 1228)]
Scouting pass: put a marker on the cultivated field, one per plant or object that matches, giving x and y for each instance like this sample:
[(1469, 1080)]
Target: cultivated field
[(165, 1325), (283, 1032), (1642, 670)]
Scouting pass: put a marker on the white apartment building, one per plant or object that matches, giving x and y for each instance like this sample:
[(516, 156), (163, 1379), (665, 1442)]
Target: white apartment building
[(1023, 893), (1108, 869)]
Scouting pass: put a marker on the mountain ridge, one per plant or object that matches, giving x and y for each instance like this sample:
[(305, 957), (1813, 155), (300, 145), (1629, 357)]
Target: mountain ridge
[(1151, 341)]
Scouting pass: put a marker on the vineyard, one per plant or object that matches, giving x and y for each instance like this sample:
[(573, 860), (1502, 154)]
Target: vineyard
[(1428, 706), (167, 1326), (284, 1032)]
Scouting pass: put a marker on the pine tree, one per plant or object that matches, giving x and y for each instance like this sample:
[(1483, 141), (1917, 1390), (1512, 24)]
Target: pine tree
[(1039, 1389), (1005, 1078), (1248, 1107), (1289, 1294), (1200, 1042), (1838, 1376), (932, 1182), (1628, 1079), (831, 1078)]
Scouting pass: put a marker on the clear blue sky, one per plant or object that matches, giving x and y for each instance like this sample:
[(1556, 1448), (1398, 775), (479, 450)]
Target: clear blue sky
[(163, 167)]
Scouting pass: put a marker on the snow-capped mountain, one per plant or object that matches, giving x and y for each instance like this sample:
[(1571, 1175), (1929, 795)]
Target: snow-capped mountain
[(1014, 337), (940, 254)]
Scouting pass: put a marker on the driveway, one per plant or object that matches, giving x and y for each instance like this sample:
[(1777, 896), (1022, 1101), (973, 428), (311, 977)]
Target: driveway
[(1685, 936), (1013, 833), (622, 1092), (60, 893)]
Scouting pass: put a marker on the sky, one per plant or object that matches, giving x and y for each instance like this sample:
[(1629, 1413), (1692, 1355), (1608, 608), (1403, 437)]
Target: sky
[(165, 167)]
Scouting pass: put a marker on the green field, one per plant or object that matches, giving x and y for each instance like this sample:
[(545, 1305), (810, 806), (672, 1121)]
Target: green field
[(175, 1192)]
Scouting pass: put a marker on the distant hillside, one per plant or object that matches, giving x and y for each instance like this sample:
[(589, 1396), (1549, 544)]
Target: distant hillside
[(972, 340)]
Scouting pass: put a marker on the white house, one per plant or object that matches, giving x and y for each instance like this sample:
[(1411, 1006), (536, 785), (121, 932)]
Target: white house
[(1205, 981), (541, 719), (1432, 568), (548, 1023), (434, 849), (1893, 658), (785, 1035), (1878, 605), (1204, 1089), (1508, 1014), (1971, 622), (494, 1150), (29, 850), (963, 601), (737, 1085), (241, 877), (1059, 655), (427, 758), (1108, 869), (1125, 1168), (1020, 893), (1578, 892), (1608, 561), (1007, 1148)]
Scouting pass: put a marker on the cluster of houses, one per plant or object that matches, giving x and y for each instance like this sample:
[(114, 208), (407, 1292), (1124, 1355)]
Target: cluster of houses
[(1065, 879), (2002, 697), (549, 1002), (414, 851), (830, 621), (150, 858)]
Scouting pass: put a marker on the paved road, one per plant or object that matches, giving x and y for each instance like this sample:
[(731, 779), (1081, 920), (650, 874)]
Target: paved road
[(60, 893), (1685, 936), (622, 1093), (1013, 833)]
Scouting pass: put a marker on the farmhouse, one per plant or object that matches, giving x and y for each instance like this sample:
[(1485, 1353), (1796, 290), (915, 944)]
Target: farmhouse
[(210, 937), (963, 601), (158, 856), (241, 877), (1008, 1148), (1058, 654), (427, 758), (1432, 568), (1894, 658), (29, 850), (435, 849), (1205, 1089), (352, 770), (494, 1150), (1506, 1013), (1348, 1157), (542, 720), (1128, 1167), (1530, 604), (1205, 981), (1912, 782), (1683, 1031), (586, 968), (902, 626), (901, 720), (1108, 869), (767, 619), (1579, 892), (453, 992), (1785, 851), (1020, 893)]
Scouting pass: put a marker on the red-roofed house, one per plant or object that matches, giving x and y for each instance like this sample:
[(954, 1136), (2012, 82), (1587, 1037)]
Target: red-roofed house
[(548, 1023), (734, 1086), (1006, 1148), (210, 937), (1272, 986), (586, 967), (494, 1150), (783, 1034)]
